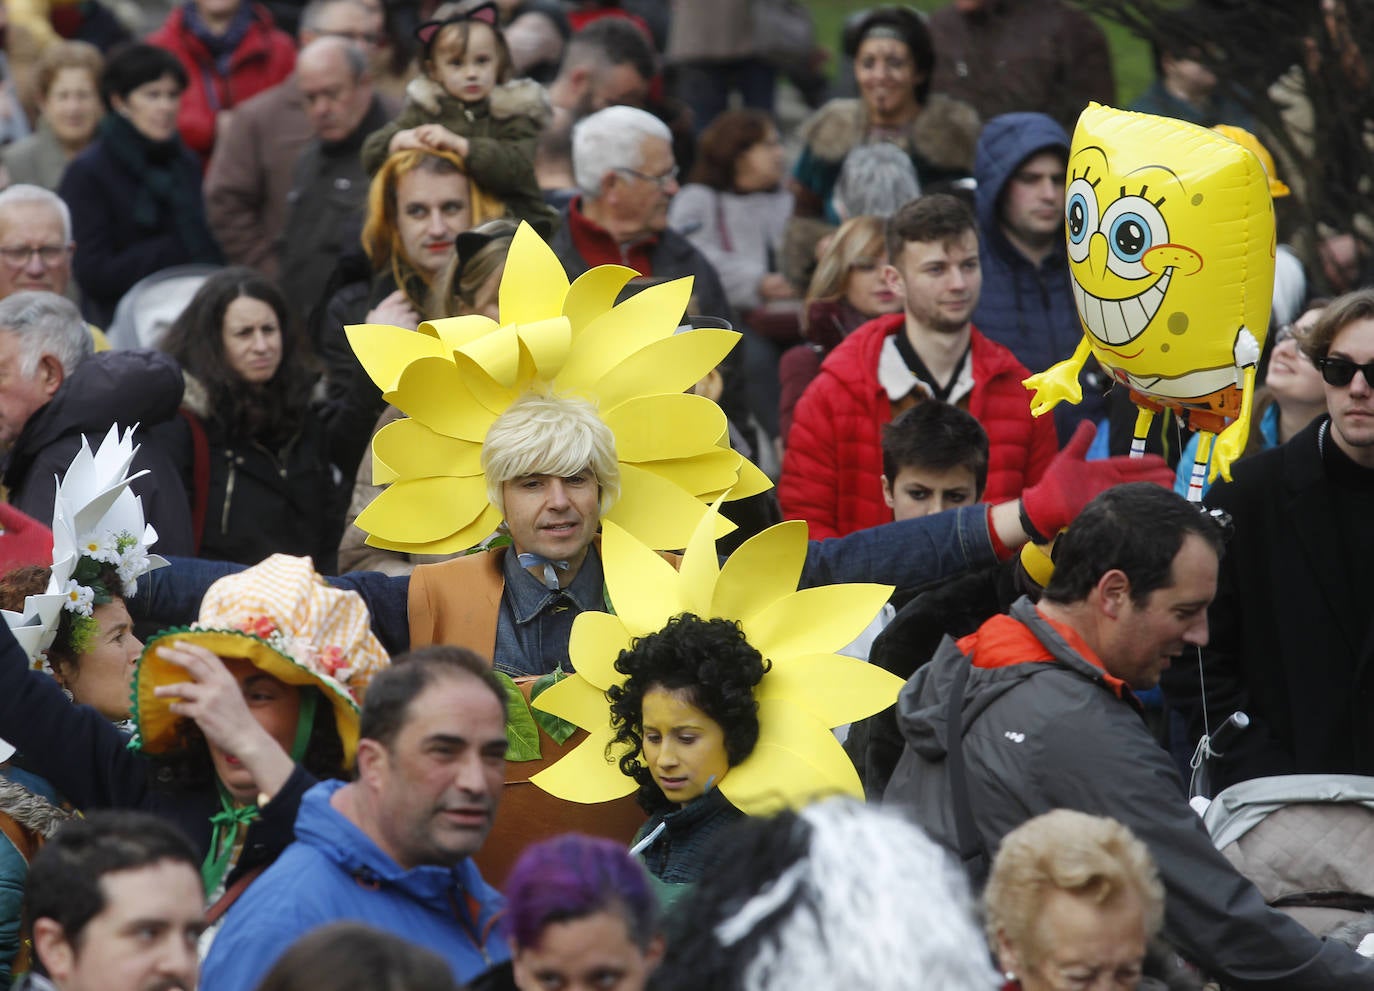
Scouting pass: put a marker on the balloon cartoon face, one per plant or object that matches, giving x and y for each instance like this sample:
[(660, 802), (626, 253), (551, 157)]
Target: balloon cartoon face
[(1170, 237)]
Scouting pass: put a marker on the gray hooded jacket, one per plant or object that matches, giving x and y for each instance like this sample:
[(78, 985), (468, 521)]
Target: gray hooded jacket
[(1046, 728)]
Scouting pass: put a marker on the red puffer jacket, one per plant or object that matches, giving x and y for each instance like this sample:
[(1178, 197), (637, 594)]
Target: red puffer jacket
[(264, 58), (831, 474)]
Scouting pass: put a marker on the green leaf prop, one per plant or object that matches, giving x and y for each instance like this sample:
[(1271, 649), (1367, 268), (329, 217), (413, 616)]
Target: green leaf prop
[(521, 732), (558, 729)]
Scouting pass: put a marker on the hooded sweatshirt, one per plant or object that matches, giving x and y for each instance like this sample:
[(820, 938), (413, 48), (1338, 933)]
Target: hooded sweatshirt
[(1026, 307)]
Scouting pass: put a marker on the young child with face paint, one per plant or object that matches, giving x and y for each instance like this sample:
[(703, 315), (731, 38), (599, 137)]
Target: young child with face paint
[(688, 713), (465, 102)]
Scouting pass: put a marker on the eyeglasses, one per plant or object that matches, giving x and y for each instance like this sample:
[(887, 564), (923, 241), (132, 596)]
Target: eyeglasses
[(661, 181), (18, 256), (1340, 372), (1290, 332)]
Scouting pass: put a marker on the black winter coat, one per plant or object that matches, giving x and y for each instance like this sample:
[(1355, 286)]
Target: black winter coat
[(258, 501), (129, 388)]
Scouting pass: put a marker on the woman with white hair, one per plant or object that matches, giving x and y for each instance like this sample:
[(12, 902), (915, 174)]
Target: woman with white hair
[(839, 895)]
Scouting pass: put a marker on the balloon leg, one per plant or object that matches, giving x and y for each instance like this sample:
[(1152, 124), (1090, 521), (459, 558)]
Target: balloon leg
[(1143, 419), (1199, 476)]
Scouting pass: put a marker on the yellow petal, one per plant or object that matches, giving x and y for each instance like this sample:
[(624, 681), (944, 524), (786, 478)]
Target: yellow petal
[(384, 351), (658, 512), (643, 319), (796, 761), (424, 509), (700, 567), (455, 543), (585, 775), (676, 425), (576, 700), (593, 293), (833, 688), (486, 391), (498, 353), (454, 332), (596, 641), (815, 620), (409, 449), (714, 471), (764, 569), (547, 343), (437, 393), (534, 283), (674, 364), (382, 473), (752, 482), (642, 587)]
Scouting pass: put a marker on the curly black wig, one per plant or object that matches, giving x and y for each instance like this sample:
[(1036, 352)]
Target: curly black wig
[(715, 668)]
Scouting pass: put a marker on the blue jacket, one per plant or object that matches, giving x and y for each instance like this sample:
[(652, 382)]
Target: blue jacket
[(1025, 307), (334, 872)]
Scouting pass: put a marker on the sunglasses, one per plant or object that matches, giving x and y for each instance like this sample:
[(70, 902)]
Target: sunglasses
[(1340, 371)]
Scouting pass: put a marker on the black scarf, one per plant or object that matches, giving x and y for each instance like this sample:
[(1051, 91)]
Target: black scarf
[(167, 192)]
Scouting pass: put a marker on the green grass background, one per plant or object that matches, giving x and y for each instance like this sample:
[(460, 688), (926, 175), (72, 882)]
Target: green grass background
[(1130, 55)]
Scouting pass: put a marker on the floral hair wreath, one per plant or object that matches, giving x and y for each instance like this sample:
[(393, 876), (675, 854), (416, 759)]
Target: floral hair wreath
[(97, 524)]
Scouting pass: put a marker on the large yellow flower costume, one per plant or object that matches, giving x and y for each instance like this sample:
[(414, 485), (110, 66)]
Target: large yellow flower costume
[(809, 689), (454, 377)]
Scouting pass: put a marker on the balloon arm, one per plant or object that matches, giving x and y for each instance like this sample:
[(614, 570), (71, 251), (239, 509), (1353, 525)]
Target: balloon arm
[(1058, 383), (1231, 441)]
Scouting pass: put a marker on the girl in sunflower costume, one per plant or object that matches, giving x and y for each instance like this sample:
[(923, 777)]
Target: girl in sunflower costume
[(711, 691)]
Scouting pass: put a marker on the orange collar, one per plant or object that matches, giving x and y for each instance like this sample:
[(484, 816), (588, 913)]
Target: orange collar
[(1003, 641)]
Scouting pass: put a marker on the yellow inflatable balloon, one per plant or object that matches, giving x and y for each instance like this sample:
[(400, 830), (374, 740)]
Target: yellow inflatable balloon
[(1170, 230)]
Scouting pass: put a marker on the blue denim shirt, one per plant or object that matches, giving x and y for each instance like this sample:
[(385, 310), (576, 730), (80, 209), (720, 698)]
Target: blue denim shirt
[(535, 622), (908, 554)]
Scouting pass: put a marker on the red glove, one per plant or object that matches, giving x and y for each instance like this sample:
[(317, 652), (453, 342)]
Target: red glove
[(1070, 483)]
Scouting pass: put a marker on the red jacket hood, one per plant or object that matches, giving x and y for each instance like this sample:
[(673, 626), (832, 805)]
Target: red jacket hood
[(1002, 642)]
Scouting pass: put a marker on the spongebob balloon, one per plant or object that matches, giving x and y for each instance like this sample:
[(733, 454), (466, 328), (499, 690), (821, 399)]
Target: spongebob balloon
[(1170, 233)]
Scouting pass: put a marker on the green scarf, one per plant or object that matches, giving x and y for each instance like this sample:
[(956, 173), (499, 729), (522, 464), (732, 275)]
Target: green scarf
[(226, 823), (168, 194)]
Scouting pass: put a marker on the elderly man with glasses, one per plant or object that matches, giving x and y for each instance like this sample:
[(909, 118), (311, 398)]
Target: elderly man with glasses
[(1292, 640), (626, 174)]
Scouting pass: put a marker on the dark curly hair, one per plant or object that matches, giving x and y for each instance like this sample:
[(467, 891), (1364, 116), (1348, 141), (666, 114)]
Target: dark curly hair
[(188, 766), (714, 667), (271, 412), (32, 579)]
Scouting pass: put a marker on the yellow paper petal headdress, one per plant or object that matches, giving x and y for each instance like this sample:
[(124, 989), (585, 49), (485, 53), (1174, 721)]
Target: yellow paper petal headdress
[(808, 690), (454, 377)]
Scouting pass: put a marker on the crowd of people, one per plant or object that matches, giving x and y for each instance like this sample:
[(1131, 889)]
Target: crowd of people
[(407, 408)]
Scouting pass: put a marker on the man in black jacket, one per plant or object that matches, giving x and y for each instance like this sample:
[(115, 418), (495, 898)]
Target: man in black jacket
[(54, 390), (1292, 638)]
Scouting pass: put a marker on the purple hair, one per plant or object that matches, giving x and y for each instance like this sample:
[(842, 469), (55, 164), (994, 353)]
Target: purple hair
[(574, 876)]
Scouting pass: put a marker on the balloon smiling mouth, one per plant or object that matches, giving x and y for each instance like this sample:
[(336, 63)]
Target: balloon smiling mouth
[(1119, 321)]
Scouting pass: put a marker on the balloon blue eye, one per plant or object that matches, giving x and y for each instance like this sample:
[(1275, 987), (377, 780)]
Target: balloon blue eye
[(1130, 237), (1077, 213)]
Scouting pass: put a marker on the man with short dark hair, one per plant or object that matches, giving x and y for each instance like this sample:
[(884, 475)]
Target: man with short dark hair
[(393, 847), (1293, 642), (115, 903), (607, 63), (831, 474), (935, 457), (1036, 711)]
